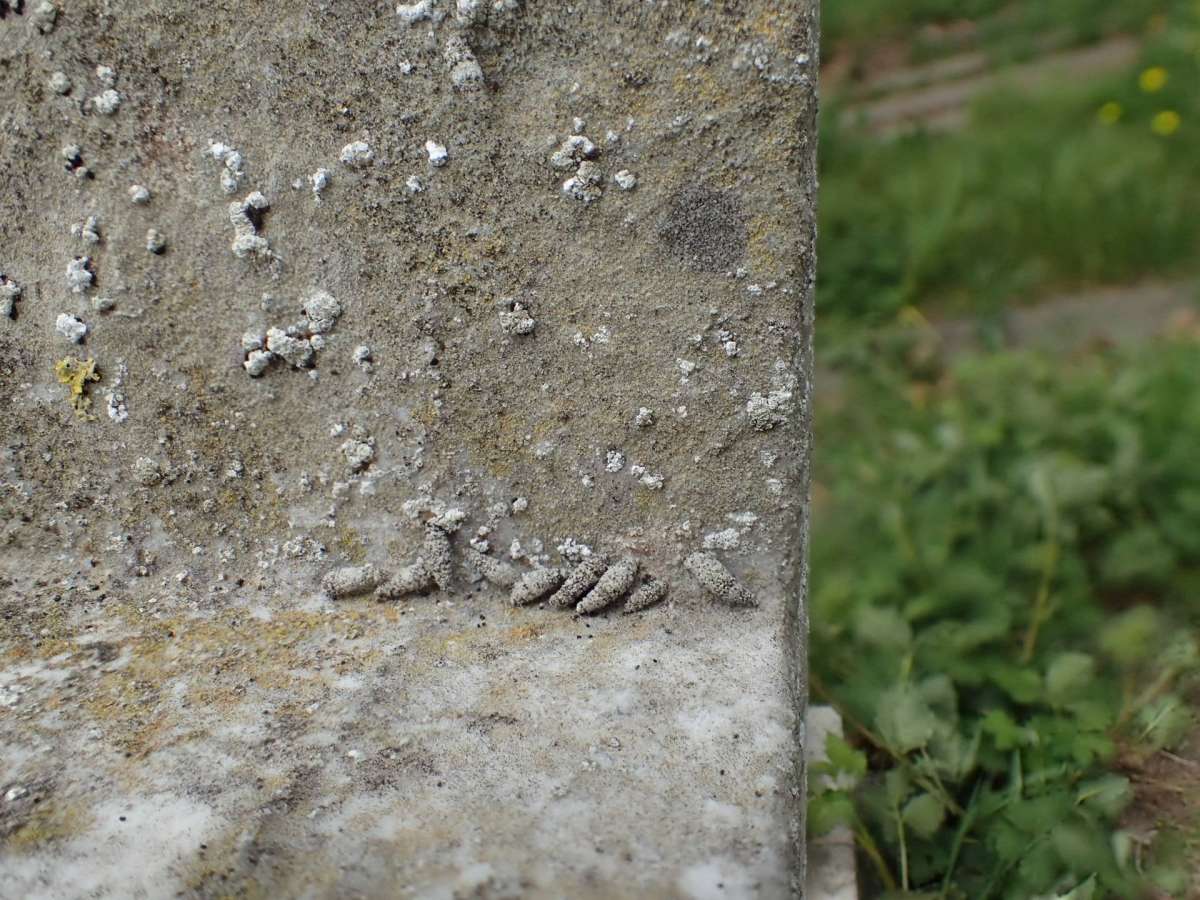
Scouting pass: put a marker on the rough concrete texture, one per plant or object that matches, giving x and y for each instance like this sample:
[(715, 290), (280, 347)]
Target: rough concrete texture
[(351, 271)]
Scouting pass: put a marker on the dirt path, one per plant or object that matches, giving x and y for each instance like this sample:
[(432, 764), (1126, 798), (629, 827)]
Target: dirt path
[(938, 96), (1064, 324)]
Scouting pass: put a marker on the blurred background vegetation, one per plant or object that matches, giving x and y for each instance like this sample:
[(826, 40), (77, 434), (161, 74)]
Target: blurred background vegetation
[(1006, 535)]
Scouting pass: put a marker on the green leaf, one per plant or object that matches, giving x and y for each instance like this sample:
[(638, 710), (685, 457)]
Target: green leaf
[(844, 759), (1131, 637), (1140, 556), (1108, 795), (924, 814), (904, 720), (1085, 890), (1165, 722), (828, 811), (1069, 675), (1006, 733), (882, 628), (1022, 684)]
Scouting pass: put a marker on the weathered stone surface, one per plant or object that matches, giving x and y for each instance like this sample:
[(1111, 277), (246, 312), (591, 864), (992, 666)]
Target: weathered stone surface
[(395, 280)]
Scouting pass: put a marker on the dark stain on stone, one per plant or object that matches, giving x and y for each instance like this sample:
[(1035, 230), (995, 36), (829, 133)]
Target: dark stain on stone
[(706, 229)]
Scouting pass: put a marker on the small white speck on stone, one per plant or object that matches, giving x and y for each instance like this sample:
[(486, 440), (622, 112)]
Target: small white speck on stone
[(769, 410), (465, 72), (247, 241), (257, 362), (10, 293), (319, 181), (252, 340), (625, 180), (79, 274), (107, 102), (250, 245), (139, 195), (644, 417), (572, 151), (520, 504), (231, 160), (357, 153), (614, 461), (60, 83), (106, 75), (103, 304), (652, 481), (411, 13), (729, 343), (115, 406), (362, 356), (296, 351), (437, 153), (517, 320), (584, 185), (322, 310), (146, 471), (414, 185), (156, 241), (470, 12), (87, 230), (358, 454), (45, 15), (70, 327)]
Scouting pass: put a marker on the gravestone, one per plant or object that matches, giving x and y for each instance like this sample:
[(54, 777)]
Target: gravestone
[(405, 456)]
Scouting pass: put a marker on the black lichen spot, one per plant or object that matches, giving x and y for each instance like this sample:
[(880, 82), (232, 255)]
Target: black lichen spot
[(705, 229), (11, 6)]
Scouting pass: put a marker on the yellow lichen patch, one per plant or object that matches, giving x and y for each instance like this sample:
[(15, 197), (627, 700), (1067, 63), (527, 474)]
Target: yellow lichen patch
[(48, 822), (764, 257), (524, 633), (352, 545), (76, 374)]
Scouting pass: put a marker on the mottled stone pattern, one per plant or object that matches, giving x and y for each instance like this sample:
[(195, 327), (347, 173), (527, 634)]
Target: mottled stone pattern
[(298, 296)]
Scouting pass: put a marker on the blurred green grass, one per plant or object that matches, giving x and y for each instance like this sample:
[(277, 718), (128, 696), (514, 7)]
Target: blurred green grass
[(1005, 557), (1040, 193)]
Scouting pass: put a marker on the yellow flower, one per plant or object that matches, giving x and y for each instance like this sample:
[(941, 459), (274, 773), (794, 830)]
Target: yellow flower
[(1166, 123), (1110, 113), (1153, 79)]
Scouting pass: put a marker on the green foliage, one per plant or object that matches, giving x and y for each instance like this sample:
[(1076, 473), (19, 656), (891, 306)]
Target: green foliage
[(1041, 192), (1005, 568)]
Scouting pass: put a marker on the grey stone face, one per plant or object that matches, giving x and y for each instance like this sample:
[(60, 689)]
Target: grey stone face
[(394, 318)]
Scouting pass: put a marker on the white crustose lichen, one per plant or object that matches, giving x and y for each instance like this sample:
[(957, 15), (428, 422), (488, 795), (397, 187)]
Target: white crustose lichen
[(10, 293), (80, 274), (357, 154), (70, 327)]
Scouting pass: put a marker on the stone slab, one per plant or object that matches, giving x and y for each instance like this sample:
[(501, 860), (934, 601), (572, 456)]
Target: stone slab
[(290, 281)]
